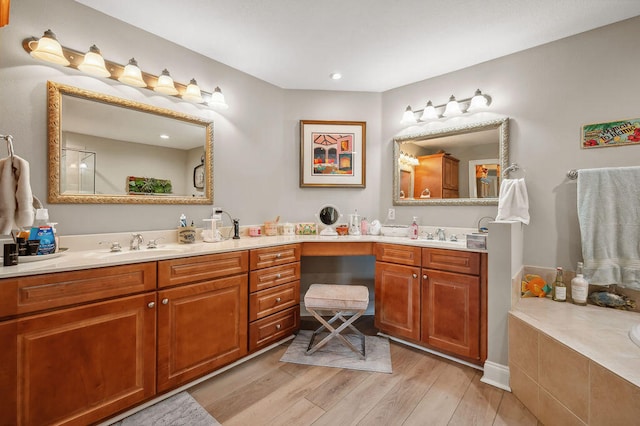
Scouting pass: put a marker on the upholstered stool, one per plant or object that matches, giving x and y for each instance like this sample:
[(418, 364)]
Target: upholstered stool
[(341, 301)]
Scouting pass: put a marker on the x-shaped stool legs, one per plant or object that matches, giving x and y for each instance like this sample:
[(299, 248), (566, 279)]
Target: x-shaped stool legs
[(335, 332)]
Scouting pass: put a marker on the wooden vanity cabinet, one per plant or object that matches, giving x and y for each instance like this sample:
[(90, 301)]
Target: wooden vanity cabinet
[(274, 299), (397, 290), (77, 363), (452, 302), (202, 322)]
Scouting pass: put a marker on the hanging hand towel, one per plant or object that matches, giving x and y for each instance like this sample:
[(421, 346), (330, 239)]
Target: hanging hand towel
[(16, 198), (609, 216), (513, 203)]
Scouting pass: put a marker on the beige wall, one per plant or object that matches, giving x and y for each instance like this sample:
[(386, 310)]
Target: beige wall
[(549, 92)]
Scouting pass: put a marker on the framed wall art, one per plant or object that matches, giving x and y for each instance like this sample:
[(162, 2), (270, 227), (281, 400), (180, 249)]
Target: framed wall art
[(332, 154), (614, 133)]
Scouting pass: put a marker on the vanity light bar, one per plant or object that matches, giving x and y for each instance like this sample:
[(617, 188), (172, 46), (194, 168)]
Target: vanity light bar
[(75, 60), (453, 107)]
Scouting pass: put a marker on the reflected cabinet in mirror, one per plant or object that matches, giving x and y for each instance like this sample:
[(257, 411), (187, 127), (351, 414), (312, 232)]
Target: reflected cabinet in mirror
[(451, 166), (104, 149)]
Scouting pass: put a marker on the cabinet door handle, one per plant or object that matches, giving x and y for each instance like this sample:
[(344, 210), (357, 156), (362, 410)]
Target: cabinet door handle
[(278, 299), (151, 304), (278, 276), (278, 256), (165, 301), (415, 275), (425, 276), (278, 326)]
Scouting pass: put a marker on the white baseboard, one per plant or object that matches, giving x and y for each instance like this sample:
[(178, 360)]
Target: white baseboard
[(496, 375)]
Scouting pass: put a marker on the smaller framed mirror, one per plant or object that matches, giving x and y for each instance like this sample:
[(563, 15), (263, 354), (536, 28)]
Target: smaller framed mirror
[(329, 216)]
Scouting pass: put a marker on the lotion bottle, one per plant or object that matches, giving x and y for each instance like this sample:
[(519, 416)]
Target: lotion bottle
[(413, 229), (579, 287)]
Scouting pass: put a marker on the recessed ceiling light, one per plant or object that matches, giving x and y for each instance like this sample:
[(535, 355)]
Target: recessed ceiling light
[(335, 76), (164, 136)]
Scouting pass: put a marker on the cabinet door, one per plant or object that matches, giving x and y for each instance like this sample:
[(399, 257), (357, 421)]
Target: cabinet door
[(397, 300), (79, 365), (451, 312), (200, 328)]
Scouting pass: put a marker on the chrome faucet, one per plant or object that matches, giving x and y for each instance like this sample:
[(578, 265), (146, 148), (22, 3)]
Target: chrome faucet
[(136, 240), (441, 235)]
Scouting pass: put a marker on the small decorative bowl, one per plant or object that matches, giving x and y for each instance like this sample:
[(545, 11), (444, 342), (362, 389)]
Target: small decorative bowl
[(342, 229)]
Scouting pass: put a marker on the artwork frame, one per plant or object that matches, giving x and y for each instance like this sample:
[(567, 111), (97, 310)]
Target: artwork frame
[(611, 133), (332, 154), (199, 176)]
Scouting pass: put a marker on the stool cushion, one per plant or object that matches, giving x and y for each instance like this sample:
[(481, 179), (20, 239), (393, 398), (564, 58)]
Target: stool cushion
[(337, 297)]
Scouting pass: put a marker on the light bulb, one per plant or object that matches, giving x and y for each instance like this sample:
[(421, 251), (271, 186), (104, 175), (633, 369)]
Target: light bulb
[(165, 84), (217, 99), (132, 74), (408, 117), (192, 93), (479, 101), (48, 49), (429, 112), (452, 108)]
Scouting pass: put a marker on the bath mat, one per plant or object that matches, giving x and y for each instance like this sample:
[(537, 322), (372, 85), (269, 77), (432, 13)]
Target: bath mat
[(335, 354), (179, 410)]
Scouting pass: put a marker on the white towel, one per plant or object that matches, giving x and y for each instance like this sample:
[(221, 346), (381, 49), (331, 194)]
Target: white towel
[(16, 198), (609, 215), (513, 203)]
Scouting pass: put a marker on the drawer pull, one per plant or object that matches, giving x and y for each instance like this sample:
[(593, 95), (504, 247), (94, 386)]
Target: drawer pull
[(278, 300), (278, 326), (278, 276), (278, 256), (165, 301), (151, 304)]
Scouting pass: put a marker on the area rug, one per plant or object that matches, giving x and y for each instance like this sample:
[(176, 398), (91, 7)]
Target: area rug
[(179, 410), (335, 354)]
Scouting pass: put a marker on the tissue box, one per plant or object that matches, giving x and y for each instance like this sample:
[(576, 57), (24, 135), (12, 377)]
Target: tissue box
[(477, 241), (305, 228)]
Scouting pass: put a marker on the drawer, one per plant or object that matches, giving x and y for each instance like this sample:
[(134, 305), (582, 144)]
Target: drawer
[(397, 253), (272, 300), (40, 292), (198, 268), (273, 328), (465, 262), (274, 256), (269, 277)]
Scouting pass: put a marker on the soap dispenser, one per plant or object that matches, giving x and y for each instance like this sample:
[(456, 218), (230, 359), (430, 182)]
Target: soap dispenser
[(413, 229)]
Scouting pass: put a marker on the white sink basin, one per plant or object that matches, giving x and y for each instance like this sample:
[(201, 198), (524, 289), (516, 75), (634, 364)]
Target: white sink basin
[(161, 251), (634, 334)]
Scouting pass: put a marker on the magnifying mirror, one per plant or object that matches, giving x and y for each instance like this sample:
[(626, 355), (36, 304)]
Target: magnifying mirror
[(329, 217)]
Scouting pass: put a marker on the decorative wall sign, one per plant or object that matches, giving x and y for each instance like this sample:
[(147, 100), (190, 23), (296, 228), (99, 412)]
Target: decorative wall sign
[(614, 133), (332, 153)]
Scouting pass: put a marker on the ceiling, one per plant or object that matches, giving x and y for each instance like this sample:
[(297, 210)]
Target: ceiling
[(376, 45)]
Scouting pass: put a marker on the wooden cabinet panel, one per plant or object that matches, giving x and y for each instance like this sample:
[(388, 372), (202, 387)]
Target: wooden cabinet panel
[(9, 373), (274, 256), (439, 174), (465, 262), (78, 365), (451, 312), (397, 300), (270, 301), (200, 327), (41, 292), (359, 248), (396, 253), (198, 268), (262, 279), (270, 329)]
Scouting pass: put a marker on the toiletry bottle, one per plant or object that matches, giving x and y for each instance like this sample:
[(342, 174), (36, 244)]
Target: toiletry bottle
[(10, 254), (43, 232), (183, 221), (559, 289), (579, 287), (413, 229), (364, 226)]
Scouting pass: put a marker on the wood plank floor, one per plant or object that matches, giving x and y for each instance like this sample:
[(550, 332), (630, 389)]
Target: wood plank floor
[(422, 390)]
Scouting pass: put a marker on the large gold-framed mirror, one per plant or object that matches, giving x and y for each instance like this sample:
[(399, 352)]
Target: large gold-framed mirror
[(104, 149), (455, 165)]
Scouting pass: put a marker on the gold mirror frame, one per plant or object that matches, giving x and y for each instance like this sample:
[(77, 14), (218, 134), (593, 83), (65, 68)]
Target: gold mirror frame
[(502, 124), (55, 91)]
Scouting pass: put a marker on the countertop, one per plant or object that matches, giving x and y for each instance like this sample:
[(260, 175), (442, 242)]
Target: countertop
[(84, 252), (600, 334)]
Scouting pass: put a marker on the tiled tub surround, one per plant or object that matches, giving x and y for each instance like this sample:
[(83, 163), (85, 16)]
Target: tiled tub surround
[(574, 365)]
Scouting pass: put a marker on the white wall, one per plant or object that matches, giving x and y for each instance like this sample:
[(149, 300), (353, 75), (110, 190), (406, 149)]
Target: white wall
[(549, 92)]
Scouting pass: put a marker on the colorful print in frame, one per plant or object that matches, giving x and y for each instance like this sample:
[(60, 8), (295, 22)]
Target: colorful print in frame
[(332, 153), (614, 133)]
